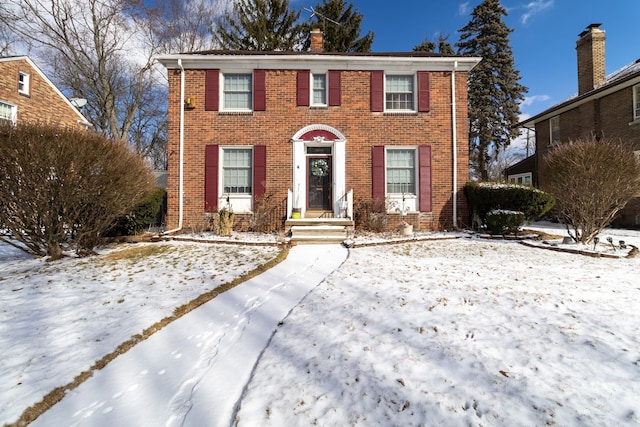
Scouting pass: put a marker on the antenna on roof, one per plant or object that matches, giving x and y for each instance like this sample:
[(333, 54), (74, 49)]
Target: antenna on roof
[(314, 13)]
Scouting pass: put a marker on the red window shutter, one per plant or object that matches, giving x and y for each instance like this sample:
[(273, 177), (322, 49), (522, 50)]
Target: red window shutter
[(259, 171), (424, 102), (377, 91), (334, 88), (211, 159), (259, 90), (211, 90), (378, 183), (424, 177), (302, 89)]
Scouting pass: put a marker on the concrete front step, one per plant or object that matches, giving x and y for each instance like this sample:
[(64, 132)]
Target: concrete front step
[(318, 233)]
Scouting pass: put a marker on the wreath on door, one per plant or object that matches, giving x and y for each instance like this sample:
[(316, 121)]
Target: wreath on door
[(319, 167)]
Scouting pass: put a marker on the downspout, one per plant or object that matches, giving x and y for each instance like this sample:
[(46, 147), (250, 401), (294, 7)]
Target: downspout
[(454, 136), (181, 166)]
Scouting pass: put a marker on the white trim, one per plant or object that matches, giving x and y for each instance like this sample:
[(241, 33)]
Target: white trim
[(338, 150), (222, 91), (402, 202), (522, 176), (312, 89), (13, 108), (554, 122), (24, 80), (408, 63), (636, 102), (238, 202), (414, 93)]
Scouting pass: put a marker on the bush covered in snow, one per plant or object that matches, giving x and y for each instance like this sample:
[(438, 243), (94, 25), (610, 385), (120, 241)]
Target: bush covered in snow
[(484, 197)]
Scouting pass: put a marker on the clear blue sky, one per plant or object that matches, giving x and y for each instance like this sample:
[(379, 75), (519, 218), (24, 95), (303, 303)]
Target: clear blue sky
[(543, 40)]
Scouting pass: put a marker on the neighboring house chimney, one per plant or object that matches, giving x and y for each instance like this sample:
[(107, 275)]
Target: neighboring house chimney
[(317, 40), (590, 48)]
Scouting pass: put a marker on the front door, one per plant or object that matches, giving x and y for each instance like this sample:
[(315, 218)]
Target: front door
[(319, 183)]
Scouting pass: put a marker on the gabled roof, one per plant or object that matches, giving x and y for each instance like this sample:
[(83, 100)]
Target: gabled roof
[(626, 76), (81, 119)]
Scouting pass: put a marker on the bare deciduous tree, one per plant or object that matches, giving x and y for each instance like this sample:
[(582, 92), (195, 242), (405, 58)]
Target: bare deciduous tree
[(592, 181), (62, 188)]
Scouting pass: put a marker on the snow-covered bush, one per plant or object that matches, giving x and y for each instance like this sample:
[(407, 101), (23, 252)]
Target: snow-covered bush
[(501, 221), (484, 197)]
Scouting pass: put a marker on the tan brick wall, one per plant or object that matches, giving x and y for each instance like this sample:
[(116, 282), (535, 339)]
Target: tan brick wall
[(282, 119), (42, 103)]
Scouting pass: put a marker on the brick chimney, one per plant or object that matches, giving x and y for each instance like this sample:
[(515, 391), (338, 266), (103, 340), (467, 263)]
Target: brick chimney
[(317, 40), (590, 49)]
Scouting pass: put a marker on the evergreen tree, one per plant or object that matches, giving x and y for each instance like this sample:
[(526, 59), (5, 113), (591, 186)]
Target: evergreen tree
[(262, 25), (341, 27), (443, 46), (494, 91)]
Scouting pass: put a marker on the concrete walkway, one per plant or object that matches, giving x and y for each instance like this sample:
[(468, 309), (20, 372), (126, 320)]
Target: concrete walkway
[(196, 368)]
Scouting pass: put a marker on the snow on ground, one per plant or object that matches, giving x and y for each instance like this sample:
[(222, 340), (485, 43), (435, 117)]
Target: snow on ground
[(432, 332), (58, 318)]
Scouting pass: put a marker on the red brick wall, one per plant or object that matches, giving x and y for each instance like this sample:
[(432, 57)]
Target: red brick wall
[(42, 103), (282, 119)]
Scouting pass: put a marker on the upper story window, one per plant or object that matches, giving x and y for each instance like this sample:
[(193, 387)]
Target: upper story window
[(401, 171), (399, 92), (236, 167), (319, 89), (237, 92), (554, 130), (7, 112), (636, 102), (23, 83)]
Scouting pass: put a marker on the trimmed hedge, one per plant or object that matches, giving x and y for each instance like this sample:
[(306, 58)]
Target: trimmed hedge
[(501, 222), (484, 197)]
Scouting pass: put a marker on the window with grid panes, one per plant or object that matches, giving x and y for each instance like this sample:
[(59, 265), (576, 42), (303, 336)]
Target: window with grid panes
[(237, 170), (237, 92), (399, 92), (319, 91), (401, 171)]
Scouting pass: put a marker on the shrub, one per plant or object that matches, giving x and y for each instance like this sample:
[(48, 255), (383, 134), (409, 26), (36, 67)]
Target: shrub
[(269, 214), (223, 222), (147, 212), (503, 222), (370, 214), (592, 181), (484, 197), (62, 188)]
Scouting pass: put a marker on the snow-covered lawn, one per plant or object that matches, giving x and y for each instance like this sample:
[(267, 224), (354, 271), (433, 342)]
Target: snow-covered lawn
[(58, 318), (436, 332)]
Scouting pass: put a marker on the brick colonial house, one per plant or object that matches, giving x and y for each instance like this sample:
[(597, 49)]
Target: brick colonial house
[(26, 94), (318, 130), (604, 106)]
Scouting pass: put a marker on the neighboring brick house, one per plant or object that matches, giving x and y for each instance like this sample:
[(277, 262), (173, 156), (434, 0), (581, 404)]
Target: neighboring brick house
[(317, 130), (26, 94), (604, 106)]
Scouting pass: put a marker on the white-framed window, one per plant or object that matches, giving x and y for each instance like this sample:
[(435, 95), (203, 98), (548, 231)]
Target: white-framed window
[(236, 171), (8, 112), (554, 130), (401, 171), (237, 92), (636, 102), (319, 89), (399, 92), (521, 178), (23, 83)]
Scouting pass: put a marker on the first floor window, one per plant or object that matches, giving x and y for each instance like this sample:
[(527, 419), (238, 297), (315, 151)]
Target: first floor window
[(401, 171), (636, 102), (23, 83), (399, 93), (237, 170), (7, 113), (319, 92), (237, 92)]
